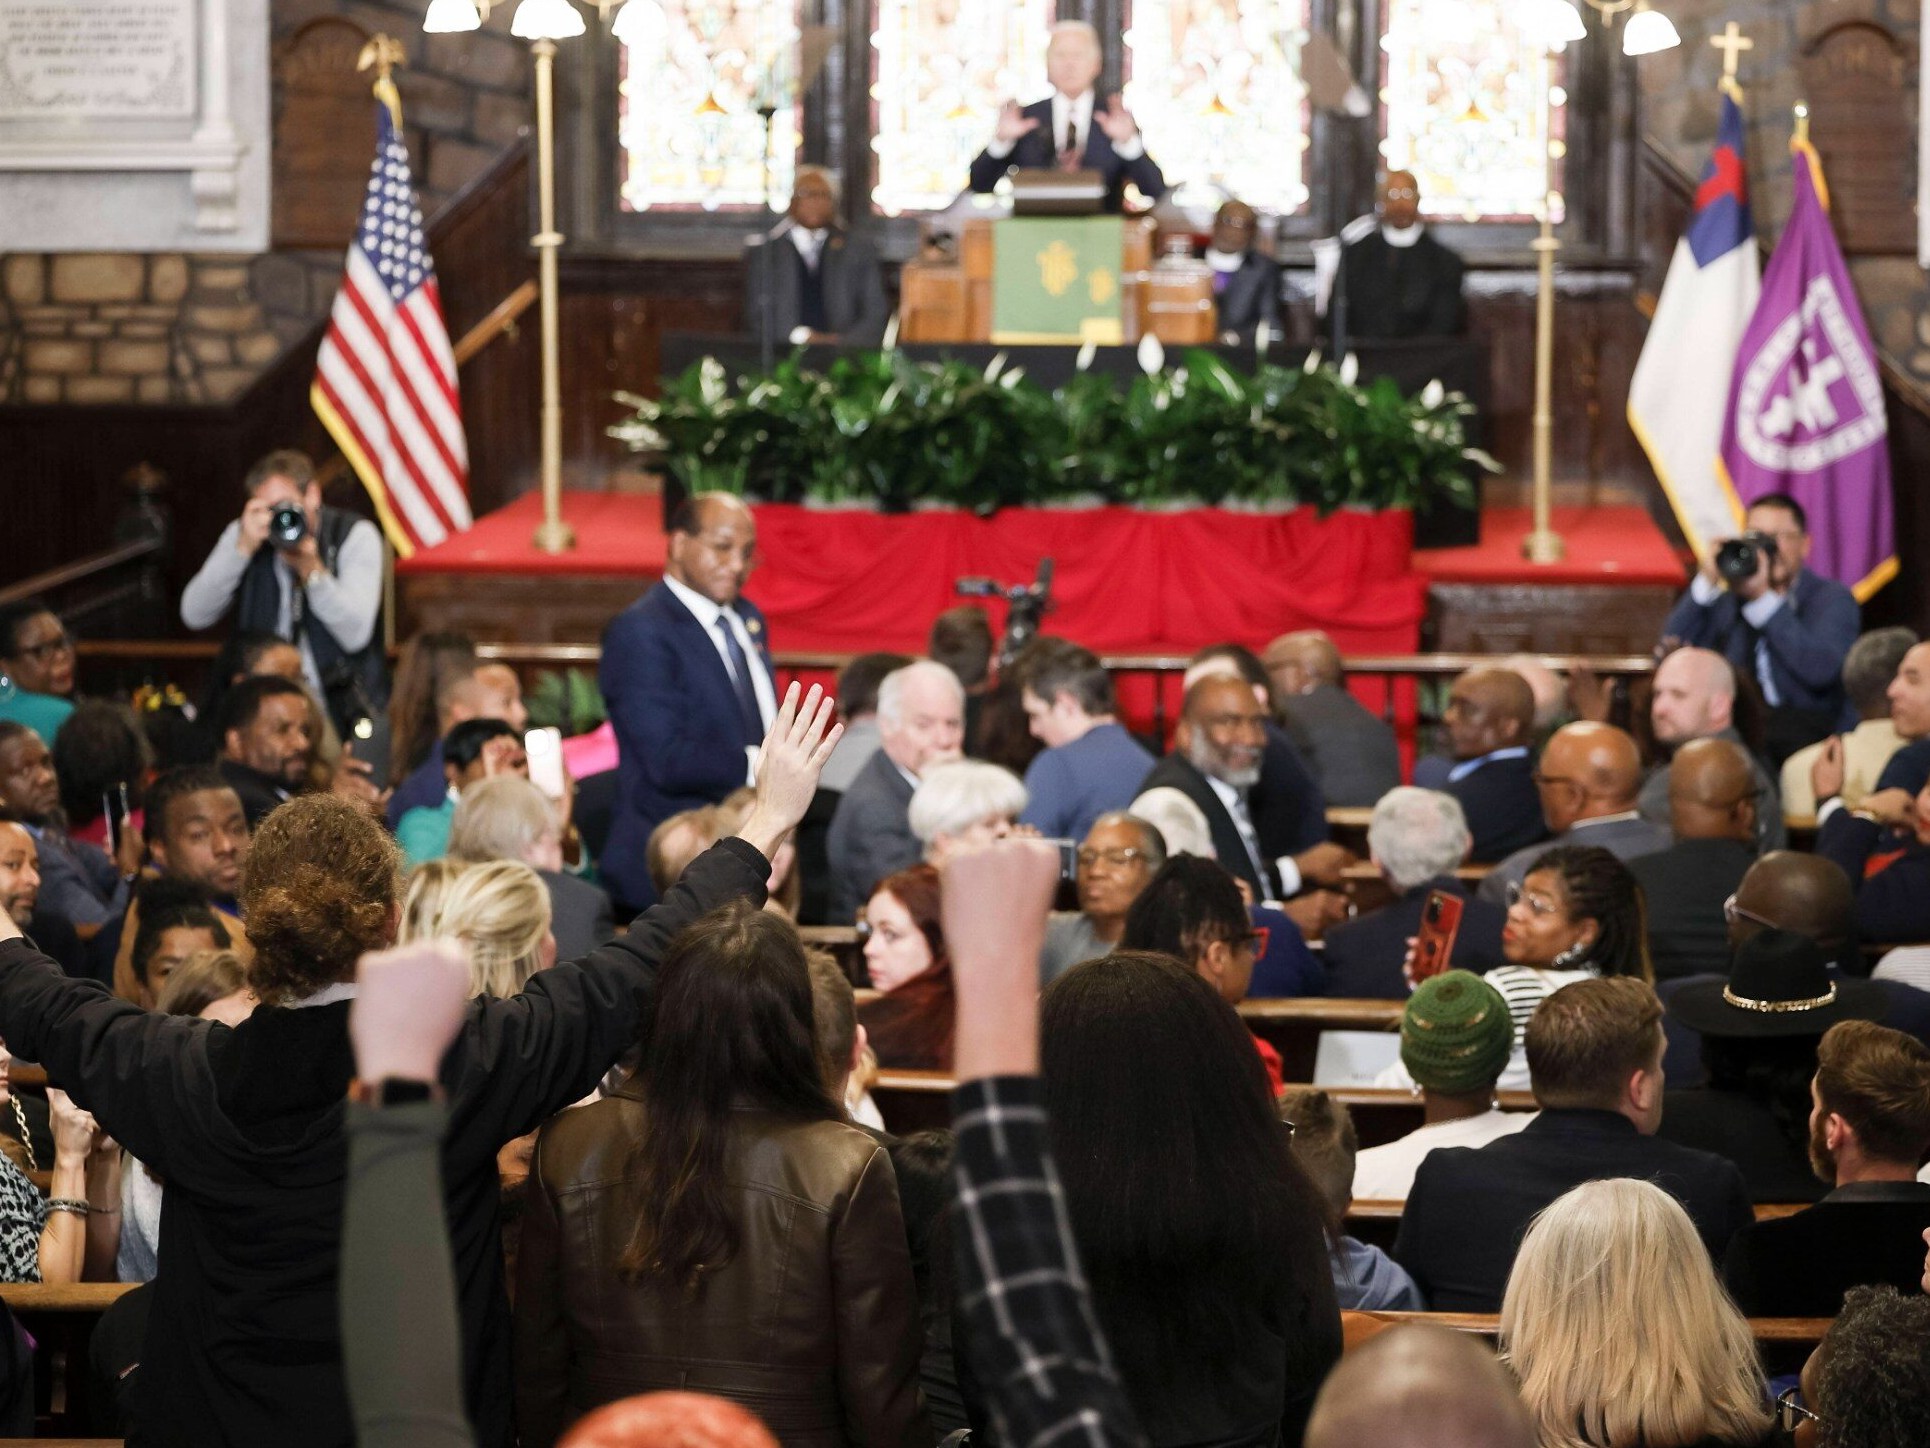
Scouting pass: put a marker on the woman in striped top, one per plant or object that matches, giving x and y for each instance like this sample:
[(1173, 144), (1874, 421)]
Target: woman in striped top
[(1577, 914)]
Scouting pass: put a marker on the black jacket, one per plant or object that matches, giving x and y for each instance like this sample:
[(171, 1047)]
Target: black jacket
[(1861, 1234), (1289, 811), (1038, 149), (1893, 905), (1503, 808), (1471, 1206), (1774, 1166), (258, 793), (1350, 749), (1684, 887), (1243, 299), (246, 1126), (1364, 956), (851, 289), (581, 916), (1400, 291)]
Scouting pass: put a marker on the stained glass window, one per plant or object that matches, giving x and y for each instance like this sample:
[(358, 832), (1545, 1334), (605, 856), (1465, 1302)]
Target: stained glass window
[(1462, 107), (940, 69), (689, 134), (1215, 87)]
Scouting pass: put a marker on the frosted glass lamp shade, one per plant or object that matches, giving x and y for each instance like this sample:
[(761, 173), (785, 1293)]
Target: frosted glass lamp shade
[(1557, 22), (641, 25), (546, 20), (448, 16), (1648, 31)]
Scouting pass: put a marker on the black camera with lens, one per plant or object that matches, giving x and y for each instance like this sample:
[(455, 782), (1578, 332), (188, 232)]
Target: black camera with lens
[(287, 525), (1738, 559)]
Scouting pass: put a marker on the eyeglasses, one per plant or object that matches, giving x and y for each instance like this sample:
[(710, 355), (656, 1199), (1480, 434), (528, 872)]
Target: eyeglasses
[(1790, 1413), (1537, 904), (1732, 912), (1118, 859), (1256, 939), (62, 644)]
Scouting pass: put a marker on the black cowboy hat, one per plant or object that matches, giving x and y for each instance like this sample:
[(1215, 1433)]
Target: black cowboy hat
[(1779, 984)]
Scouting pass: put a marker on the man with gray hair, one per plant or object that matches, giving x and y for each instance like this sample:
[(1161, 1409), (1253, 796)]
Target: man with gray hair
[(1120, 855), (921, 722), (1873, 661), (810, 280), (1069, 129), (508, 818), (1416, 839)]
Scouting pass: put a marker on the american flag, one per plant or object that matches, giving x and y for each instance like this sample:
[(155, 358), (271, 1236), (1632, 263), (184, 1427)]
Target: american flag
[(385, 379)]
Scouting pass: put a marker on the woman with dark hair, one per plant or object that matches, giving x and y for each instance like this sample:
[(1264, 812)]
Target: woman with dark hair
[(245, 1123), (716, 1225), (36, 667), (1202, 1238), (910, 1021), (1576, 915), (426, 667), (102, 760)]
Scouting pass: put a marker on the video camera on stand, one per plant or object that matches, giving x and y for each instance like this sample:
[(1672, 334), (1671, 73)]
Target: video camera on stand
[(1027, 606)]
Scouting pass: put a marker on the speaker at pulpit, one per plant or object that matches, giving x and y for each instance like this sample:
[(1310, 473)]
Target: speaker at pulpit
[(1052, 279)]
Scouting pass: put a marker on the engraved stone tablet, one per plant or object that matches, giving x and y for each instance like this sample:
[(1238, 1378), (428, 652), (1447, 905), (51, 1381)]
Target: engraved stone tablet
[(98, 59)]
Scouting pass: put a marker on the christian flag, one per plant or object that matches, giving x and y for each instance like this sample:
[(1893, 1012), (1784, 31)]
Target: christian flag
[(1677, 397), (385, 379), (1805, 413)]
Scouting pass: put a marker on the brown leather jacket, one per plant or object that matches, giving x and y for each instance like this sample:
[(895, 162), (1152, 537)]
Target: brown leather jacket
[(812, 1325)]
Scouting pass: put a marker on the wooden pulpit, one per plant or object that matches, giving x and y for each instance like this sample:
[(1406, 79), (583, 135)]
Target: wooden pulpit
[(946, 295)]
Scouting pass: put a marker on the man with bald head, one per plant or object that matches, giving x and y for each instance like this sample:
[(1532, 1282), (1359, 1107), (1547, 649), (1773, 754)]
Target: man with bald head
[(1588, 779), (1399, 281), (1419, 1387), (1490, 721), (1712, 811), (1350, 749), (1695, 698), (687, 676), (1218, 750)]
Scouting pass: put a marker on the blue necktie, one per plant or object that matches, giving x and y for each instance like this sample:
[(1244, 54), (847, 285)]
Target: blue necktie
[(740, 678)]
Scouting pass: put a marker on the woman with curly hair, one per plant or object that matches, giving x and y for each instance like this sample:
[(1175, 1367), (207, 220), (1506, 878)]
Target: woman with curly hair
[(245, 1123)]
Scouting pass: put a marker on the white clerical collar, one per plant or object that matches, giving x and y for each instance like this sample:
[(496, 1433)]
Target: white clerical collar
[(706, 610), (1402, 235), (342, 990), (1225, 261), (1607, 819)]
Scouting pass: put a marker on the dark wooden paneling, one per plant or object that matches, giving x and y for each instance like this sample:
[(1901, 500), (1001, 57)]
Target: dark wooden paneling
[(1542, 618)]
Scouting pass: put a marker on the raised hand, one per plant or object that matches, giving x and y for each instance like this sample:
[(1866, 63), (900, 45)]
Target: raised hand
[(993, 903), (1014, 123), (801, 739), (409, 1004), (74, 1130), (1826, 773), (1117, 122)]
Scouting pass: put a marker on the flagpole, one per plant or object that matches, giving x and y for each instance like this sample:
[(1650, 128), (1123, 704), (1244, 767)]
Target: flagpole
[(553, 535), (1543, 544)]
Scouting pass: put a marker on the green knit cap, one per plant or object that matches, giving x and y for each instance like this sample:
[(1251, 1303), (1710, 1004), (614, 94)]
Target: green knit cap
[(1456, 1033)]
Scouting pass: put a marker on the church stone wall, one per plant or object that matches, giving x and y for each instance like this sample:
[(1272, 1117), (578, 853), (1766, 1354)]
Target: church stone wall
[(179, 328)]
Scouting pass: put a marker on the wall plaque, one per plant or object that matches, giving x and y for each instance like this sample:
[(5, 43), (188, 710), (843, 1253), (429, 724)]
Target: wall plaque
[(63, 60), (1858, 79)]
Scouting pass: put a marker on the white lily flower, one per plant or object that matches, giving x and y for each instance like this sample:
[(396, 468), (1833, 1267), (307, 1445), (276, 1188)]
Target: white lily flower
[(1152, 356)]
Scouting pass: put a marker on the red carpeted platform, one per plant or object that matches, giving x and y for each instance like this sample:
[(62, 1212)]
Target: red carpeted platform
[(1610, 545), (616, 534)]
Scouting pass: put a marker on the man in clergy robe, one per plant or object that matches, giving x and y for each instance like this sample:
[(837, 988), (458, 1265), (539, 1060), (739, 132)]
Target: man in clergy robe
[(1400, 282), (1070, 129), (825, 284), (1246, 283)]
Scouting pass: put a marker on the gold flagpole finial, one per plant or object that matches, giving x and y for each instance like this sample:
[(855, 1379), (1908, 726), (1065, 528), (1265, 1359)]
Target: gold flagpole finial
[(1802, 123), (1732, 43), (384, 53)]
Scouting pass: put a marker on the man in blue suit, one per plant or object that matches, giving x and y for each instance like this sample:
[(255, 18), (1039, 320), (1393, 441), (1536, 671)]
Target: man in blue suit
[(1069, 129), (1788, 629), (687, 677)]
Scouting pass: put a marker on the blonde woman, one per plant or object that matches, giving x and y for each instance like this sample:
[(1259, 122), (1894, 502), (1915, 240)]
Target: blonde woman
[(1619, 1333), (500, 910)]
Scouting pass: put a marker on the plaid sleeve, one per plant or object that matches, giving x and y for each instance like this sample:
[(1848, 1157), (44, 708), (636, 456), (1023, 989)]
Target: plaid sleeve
[(1030, 1333)]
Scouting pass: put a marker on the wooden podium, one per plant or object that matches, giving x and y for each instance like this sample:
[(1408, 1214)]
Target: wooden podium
[(948, 298)]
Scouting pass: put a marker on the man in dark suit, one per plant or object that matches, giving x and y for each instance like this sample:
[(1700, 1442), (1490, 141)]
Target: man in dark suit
[(1416, 839), (825, 284), (1889, 869), (1351, 751), (1246, 282), (1220, 761), (921, 722), (1069, 129), (1712, 811), (1490, 720), (1595, 1062), (1784, 626), (1869, 1128), (687, 677), (1399, 281)]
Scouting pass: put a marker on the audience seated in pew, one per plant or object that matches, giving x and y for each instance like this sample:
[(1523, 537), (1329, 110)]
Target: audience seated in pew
[(1867, 1385), (1888, 865), (1416, 839), (909, 1023), (1352, 752), (1090, 766), (844, 1048), (1595, 1059), (176, 922), (78, 881), (1860, 755), (858, 683), (37, 656), (1869, 1132), (1415, 1386), (1490, 721), (1456, 1039), (509, 818), (1697, 694), (1366, 1279), (1909, 768), (1713, 799), (1759, 1028), (1624, 1252), (1116, 860), (963, 803), (1588, 778), (20, 899), (475, 750)]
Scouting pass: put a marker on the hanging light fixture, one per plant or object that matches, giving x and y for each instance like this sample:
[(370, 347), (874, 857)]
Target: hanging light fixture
[(1556, 22), (446, 17), (1648, 31), (546, 20), (641, 25)]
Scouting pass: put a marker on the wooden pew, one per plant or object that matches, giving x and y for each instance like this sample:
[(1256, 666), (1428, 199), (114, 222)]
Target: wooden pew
[(1785, 1342), (1378, 1222), (1292, 1026), (61, 1318), (1367, 891), (844, 943), (914, 1100)]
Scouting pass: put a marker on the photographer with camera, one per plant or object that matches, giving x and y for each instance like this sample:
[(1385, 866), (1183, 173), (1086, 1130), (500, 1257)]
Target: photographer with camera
[(1755, 603), (293, 566)]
